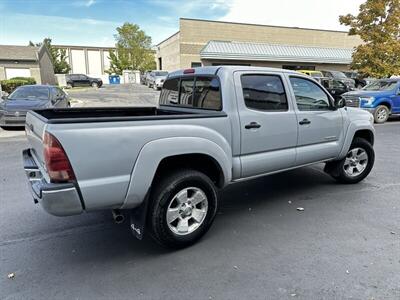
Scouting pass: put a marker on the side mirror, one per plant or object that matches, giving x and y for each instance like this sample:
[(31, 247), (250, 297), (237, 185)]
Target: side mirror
[(340, 103)]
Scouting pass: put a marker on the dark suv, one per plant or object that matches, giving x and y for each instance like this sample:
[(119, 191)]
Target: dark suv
[(350, 83), (82, 80)]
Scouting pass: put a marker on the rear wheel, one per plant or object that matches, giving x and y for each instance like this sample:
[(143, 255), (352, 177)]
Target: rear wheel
[(356, 165), (70, 85), (95, 84), (183, 207), (381, 114)]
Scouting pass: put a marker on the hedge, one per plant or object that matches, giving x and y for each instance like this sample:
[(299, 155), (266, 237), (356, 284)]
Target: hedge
[(10, 85)]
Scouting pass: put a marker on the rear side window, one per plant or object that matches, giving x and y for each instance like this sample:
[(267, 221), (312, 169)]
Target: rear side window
[(264, 92), (197, 92)]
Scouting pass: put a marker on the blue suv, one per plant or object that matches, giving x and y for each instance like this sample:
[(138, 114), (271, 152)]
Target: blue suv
[(381, 98)]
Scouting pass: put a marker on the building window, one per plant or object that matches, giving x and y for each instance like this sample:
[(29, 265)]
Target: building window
[(196, 64), (264, 92)]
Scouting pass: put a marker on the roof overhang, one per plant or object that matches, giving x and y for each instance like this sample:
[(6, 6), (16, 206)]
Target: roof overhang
[(222, 50)]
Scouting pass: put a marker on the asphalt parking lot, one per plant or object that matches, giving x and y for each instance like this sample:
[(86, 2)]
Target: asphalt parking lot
[(114, 95), (345, 244)]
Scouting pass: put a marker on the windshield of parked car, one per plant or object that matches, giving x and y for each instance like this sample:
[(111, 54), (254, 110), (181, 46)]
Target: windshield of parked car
[(380, 85), (30, 93), (161, 73), (316, 75), (338, 74)]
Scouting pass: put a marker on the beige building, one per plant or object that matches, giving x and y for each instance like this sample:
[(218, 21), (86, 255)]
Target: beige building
[(26, 61), (202, 42)]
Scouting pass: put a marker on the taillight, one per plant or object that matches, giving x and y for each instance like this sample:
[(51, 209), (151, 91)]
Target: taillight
[(56, 161)]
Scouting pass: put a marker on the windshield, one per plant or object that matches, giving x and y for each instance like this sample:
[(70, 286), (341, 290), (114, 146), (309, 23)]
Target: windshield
[(380, 86), (316, 75), (161, 73), (338, 74), (30, 93)]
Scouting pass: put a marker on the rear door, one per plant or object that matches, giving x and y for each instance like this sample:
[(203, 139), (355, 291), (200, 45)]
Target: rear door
[(84, 80), (268, 123), (320, 124)]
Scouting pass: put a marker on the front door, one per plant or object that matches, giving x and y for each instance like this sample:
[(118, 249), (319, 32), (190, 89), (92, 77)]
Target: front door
[(268, 123), (320, 124)]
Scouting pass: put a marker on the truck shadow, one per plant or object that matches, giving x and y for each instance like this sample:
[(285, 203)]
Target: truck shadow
[(268, 193)]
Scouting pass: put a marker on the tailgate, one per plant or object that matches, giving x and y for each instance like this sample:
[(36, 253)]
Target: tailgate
[(35, 127)]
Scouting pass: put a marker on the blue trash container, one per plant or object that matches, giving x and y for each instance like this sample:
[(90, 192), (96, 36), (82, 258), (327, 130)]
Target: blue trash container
[(114, 79)]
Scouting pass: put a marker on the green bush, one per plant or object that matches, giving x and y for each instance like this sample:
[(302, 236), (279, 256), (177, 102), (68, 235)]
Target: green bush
[(10, 85), (30, 80)]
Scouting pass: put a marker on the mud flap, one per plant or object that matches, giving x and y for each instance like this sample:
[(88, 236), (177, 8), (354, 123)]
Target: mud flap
[(138, 218), (332, 168)]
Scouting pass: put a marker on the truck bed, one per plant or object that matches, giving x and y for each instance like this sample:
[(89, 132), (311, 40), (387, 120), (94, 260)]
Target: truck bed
[(112, 114)]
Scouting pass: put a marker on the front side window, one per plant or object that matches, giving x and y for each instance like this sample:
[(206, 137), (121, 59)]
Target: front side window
[(309, 96), (264, 92)]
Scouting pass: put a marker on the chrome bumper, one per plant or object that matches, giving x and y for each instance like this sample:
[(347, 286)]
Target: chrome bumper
[(58, 199)]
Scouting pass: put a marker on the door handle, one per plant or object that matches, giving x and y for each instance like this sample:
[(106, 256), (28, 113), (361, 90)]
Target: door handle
[(252, 125), (305, 122)]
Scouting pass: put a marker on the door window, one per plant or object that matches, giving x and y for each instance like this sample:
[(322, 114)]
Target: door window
[(309, 96), (264, 92)]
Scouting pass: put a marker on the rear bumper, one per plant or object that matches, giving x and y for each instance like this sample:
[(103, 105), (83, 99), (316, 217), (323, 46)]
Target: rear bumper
[(58, 199)]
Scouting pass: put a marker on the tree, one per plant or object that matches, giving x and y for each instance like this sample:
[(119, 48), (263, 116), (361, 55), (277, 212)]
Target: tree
[(378, 25), (58, 56), (133, 50)]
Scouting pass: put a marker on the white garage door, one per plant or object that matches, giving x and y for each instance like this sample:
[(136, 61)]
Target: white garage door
[(14, 72)]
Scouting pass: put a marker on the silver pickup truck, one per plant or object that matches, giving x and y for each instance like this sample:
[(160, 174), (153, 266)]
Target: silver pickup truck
[(165, 166)]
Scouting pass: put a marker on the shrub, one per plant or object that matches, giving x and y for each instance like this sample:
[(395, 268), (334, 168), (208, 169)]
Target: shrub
[(10, 85), (30, 80)]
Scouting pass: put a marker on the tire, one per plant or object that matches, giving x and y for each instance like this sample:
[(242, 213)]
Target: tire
[(182, 184), (148, 85), (70, 85), (155, 87), (95, 85), (359, 86), (381, 114), (361, 167)]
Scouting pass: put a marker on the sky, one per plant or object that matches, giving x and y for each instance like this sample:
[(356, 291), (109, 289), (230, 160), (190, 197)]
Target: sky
[(93, 22)]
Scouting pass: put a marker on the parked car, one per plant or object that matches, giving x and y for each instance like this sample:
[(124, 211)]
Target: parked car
[(312, 73), (359, 80), (381, 98), (74, 80), (335, 87), (350, 83), (156, 79), (166, 165), (143, 77), (13, 108)]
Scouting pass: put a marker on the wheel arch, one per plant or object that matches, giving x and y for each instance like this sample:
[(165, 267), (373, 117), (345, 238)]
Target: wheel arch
[(160, 156), (358, 128), (385, 102)]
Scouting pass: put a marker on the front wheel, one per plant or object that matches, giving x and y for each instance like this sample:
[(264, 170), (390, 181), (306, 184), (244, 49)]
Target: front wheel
[(356, 165), (183, 207), (95, 85), (381, 114)]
